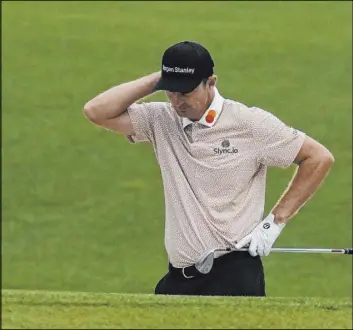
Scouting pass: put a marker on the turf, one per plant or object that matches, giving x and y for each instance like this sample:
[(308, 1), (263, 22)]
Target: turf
[(65, 310), (83, 210)]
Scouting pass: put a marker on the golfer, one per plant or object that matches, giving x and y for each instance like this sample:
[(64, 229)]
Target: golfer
[(213, 153)]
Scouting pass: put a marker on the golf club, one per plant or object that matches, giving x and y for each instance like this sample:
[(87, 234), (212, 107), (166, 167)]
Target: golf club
[(204, 265)]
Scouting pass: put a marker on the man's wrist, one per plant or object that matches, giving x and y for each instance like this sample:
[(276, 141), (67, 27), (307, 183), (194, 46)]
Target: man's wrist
[(280, 217), (152, 79), (144, 86)]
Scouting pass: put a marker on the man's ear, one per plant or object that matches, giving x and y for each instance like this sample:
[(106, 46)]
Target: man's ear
[(212, 81)]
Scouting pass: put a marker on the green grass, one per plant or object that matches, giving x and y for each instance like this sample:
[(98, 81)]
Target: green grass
[(67, 310), (83, 210)]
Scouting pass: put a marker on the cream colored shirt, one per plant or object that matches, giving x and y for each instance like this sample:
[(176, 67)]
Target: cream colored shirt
[(213, 170)]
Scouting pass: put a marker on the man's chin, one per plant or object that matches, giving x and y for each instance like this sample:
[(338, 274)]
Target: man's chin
[(182, 114)]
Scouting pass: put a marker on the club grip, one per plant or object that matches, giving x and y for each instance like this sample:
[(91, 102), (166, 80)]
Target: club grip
[(348, 251)]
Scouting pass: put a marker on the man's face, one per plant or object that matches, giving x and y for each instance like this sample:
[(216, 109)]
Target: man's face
[(191, 105)]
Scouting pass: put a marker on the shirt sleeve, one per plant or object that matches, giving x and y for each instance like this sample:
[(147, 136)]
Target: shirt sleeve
[(277, 144), (143, 117)]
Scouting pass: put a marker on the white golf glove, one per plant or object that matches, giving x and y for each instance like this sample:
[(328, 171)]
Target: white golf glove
[(262, 237)]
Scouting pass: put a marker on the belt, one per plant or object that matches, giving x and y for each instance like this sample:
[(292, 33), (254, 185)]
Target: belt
[(191, 271)]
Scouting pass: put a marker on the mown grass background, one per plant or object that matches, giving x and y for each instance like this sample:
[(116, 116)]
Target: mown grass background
[(77, 310), (83, 210)]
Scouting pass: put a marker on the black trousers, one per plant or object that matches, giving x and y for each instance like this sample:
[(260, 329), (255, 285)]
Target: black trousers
[(233, 274)]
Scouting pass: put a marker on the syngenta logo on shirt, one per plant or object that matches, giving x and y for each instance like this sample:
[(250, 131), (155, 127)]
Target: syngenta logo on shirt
[(226, 149), (177, 69)]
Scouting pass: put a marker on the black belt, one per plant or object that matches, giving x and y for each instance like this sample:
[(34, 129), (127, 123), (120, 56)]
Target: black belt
[(191, 271)]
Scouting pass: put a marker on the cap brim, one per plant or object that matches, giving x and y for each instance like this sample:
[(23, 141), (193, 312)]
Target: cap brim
[(180, 85)]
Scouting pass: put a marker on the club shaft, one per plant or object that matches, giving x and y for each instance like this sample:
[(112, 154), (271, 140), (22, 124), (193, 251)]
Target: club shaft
[(307, 250)]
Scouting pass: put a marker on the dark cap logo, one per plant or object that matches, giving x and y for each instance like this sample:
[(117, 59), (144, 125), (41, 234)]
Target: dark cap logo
[(266, 225), (225, 144)]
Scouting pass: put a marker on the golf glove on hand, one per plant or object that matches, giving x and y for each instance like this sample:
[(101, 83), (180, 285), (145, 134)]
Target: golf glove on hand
[(261, 239)]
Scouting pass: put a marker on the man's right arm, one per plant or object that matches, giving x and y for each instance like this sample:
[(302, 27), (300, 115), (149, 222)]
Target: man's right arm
[(108, 109)]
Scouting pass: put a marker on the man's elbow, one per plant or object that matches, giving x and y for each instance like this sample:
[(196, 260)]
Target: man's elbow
[(90, 111), (328, 158)]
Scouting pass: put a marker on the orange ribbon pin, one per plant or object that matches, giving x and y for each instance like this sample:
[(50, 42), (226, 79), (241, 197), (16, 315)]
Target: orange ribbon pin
[(210, 116)]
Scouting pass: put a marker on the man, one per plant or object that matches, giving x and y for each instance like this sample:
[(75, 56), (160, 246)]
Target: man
[(213, 154)]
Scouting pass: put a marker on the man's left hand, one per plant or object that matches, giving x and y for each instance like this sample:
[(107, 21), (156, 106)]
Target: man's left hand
[(262, 237)]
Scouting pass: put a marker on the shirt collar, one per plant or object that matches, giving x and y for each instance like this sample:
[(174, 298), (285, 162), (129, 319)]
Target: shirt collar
[(211, 114)]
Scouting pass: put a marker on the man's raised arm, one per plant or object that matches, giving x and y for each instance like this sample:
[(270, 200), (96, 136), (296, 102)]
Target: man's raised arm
[(108, 109)]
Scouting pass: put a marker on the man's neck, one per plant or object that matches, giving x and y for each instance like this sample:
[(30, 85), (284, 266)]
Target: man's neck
[(211, 96)]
